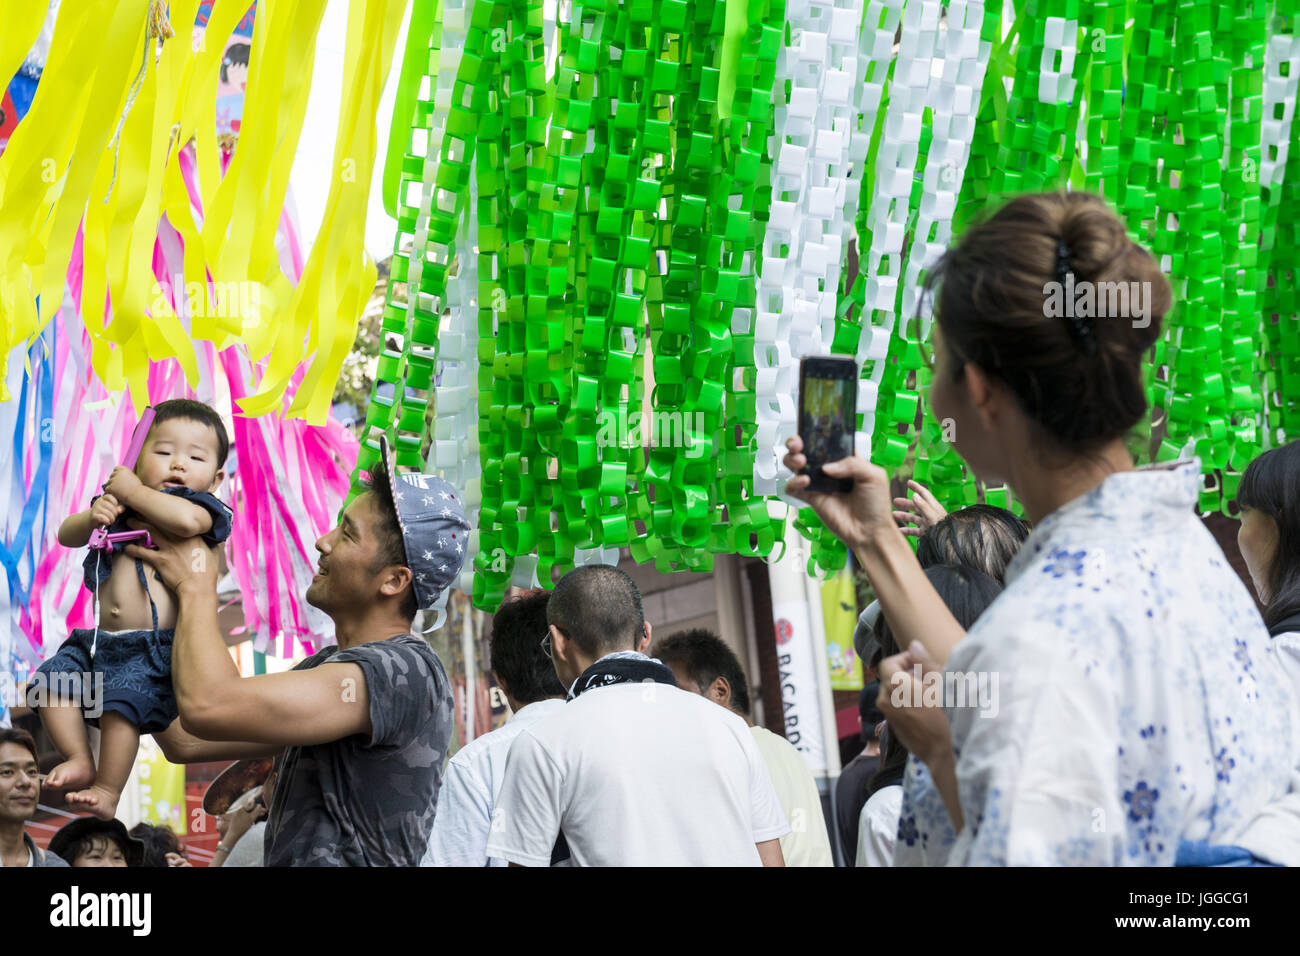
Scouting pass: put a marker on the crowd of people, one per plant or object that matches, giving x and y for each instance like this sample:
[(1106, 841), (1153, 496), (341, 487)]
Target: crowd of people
[(1128, 704)]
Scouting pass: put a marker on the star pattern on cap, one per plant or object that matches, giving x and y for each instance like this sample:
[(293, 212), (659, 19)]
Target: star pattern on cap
[(428, 555), (427, 501)]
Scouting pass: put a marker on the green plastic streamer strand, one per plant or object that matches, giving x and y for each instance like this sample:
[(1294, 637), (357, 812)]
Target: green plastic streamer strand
[(1279, 363)]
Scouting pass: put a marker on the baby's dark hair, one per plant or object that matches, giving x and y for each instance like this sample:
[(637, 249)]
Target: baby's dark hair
[(194, 411)]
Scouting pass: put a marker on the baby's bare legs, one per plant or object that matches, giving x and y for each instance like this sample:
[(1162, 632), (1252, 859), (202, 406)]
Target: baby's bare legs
[(64, 724), (118, 742)]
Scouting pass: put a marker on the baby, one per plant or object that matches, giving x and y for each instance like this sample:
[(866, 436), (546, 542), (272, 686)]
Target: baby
[(170, 489)]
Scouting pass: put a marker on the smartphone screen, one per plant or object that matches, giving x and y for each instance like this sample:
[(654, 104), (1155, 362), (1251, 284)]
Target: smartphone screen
[(828, 398)]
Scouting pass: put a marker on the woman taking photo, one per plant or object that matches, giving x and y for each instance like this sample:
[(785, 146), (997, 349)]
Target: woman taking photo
[(1138, 702)]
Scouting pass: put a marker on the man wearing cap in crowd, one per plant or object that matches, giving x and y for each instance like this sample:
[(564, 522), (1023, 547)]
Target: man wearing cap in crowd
[(20, 791), (360, 730)]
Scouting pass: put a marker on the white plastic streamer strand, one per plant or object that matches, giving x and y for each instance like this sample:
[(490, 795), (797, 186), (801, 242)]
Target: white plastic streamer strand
[(816, 139), (895, 168), (953, 98), (1275, 134)]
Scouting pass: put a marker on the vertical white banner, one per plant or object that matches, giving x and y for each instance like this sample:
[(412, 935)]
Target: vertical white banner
[(800, 650)]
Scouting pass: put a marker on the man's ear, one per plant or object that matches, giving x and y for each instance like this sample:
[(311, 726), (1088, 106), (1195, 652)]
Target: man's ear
[(559, 644), (395, 580), (505, 689), (644, 646), (719, 691)]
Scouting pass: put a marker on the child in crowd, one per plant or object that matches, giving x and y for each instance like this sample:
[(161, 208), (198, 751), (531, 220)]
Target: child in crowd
[(87, 842), (129, 650)]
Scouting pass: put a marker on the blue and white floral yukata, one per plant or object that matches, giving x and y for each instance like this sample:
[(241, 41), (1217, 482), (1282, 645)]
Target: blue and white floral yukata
[(1138, 702)]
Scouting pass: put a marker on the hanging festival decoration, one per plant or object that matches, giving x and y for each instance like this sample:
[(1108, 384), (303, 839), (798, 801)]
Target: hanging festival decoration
[(664, 194), (64, 430), (97, 155)]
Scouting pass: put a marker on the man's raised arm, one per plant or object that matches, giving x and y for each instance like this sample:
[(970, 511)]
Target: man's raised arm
[(294, 708)]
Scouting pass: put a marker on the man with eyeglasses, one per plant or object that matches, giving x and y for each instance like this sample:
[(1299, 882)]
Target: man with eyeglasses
[(633, 770), (523, 670)]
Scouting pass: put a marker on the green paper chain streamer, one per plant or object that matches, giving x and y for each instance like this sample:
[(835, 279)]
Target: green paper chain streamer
[(621, 211), (1278, 365)]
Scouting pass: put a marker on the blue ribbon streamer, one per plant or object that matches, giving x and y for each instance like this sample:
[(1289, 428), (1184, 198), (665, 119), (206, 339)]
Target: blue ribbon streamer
[(21, 545)]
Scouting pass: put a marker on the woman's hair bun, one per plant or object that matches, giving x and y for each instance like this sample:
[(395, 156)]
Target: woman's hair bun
[(1010, 302)]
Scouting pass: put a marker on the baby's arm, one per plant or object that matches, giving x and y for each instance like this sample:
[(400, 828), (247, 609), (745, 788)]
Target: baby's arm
[(76, 529), (171, 514)]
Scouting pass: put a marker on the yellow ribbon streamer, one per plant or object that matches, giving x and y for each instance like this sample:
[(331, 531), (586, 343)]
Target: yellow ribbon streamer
[(336, 277), (65, 169)]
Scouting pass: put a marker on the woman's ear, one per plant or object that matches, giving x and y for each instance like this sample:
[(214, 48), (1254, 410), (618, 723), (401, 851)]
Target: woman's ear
[(985, 394)]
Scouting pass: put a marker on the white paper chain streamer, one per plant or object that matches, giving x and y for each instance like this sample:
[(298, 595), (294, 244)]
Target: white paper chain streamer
[(454, 23), (1275, 134), (454, 452), (815, 141), (953, 98), (895, 167), (876, 46), (1059, 36)]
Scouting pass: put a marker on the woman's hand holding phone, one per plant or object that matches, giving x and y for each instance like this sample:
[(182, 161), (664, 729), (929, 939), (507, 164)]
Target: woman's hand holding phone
[(856, 517)]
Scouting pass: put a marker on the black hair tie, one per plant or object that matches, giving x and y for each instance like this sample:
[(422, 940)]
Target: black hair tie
[(1080, 326)]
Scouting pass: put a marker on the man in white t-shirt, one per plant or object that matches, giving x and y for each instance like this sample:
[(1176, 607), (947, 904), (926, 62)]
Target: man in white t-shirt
[(703, 663), (467, 801), (633, 770)]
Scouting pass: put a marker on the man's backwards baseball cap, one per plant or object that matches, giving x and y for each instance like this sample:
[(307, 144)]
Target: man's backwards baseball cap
[(435, 530)]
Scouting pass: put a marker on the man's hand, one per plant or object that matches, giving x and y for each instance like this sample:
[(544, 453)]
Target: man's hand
[(239, 821), (123, 484), (855, 517), (182, 563), (105, 510)]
